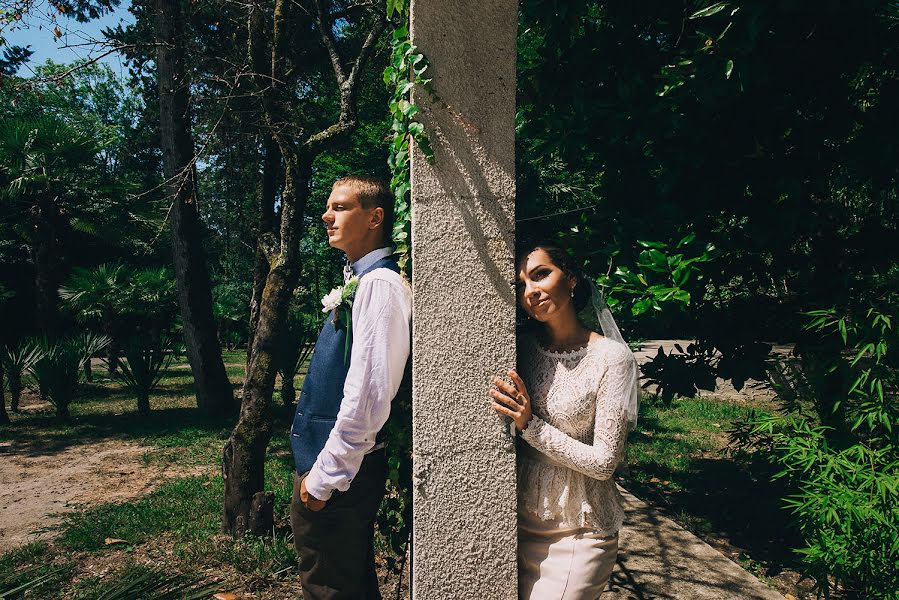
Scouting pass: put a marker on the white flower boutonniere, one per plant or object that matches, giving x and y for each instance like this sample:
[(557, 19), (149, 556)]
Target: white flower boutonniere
[(340, 302)]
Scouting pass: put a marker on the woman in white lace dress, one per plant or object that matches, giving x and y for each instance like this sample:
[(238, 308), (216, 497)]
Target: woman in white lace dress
[(572, 405)]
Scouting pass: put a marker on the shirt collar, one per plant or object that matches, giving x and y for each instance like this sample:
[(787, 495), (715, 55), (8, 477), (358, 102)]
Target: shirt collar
[(361, 265)]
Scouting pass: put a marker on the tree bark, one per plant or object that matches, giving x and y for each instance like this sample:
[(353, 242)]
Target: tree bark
[(143, 403), (267, 191), (243, 463), (262, 513), (15, 390), (213, 390), (44, 216), (4, 417), (288, 392)]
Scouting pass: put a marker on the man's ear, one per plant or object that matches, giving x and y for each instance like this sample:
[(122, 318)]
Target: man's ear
[(377, 217)]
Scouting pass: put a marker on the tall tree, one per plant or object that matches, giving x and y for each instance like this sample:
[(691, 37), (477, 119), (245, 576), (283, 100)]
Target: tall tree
[(41, 165), (4, 417), (273, 56), (213, 389)]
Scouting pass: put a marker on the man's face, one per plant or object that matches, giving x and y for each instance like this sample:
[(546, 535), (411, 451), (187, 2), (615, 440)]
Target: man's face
[(348, 222)]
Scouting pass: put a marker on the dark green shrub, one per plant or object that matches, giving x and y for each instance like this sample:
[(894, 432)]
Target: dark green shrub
[(840, 456)]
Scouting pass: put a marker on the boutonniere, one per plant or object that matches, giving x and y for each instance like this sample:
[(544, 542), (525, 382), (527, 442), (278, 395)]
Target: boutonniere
[(340, 302)]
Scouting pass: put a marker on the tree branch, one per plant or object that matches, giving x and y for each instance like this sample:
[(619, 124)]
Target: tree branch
[(325, 28), (349, 85)]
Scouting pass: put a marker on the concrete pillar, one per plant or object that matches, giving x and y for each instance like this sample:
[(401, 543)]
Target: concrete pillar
[(465, 537)]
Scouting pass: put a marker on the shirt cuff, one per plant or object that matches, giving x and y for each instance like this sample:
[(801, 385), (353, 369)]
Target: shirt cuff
[(316, 487)]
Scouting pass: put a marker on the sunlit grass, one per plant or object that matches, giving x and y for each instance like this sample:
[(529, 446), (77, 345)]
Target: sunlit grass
[(672, 437)]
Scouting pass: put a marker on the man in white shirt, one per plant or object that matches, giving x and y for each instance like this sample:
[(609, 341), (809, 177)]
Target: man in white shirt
[(353, 376)]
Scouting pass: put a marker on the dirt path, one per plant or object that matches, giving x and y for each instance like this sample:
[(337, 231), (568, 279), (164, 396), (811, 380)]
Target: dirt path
[(38, 478)]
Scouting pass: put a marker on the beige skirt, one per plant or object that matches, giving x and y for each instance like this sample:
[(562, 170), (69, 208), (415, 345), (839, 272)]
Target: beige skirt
[(562, 563)]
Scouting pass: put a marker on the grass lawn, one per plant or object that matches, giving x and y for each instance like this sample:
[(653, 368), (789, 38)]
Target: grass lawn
[(173, 529), (677, 461), (674, 456)]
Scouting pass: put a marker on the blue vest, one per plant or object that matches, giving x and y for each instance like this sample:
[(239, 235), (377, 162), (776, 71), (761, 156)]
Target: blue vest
[(322, 392)]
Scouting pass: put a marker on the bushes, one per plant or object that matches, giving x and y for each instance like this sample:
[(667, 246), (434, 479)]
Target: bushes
[(59, 366), (839, 452), (138, 310), (146, 359)]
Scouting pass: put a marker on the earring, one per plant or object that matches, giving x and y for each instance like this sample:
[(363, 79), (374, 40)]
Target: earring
[(572, 292)]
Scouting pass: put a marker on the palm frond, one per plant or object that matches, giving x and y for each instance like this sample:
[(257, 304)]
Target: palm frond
[(140, 582)]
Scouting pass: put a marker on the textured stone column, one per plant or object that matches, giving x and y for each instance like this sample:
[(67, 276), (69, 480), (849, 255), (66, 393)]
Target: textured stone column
[(464, 307)]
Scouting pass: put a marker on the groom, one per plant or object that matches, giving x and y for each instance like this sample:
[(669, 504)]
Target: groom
[(341, 466)]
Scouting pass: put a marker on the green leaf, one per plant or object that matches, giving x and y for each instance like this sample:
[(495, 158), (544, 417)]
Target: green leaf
[(686, 240), (709, 10), (729, 68), (641, 306)]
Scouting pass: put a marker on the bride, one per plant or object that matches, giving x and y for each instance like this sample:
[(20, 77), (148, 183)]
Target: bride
[(573, 405)]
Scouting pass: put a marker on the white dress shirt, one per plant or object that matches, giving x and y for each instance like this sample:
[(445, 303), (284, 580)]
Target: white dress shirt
[(382, 317)]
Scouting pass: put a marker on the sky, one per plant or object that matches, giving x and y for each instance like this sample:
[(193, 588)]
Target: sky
[(36, 30)]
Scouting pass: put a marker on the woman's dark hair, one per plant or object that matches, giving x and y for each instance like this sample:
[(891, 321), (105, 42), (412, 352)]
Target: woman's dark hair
[(566, 263)]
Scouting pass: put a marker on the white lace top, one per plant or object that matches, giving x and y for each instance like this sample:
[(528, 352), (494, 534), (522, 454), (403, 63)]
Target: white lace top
[(576, 436)]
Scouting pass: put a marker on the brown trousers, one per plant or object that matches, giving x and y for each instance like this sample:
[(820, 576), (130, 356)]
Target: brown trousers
[(335, 546)]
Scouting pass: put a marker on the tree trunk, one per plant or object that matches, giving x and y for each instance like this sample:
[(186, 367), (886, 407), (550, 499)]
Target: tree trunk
[(88, 371), (143, 402), (43, 249), (4, 417), (15, 390), (243, 462), (267, 191), (288, 392), (213, 390)]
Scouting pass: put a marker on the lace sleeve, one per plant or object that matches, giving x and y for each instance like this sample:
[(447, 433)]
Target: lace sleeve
[(610, 426)]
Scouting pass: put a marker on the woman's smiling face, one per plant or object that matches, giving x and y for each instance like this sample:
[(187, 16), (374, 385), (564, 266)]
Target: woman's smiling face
[(543, 288)]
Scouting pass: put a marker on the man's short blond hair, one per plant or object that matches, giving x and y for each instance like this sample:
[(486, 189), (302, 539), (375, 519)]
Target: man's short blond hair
[(372, 192)]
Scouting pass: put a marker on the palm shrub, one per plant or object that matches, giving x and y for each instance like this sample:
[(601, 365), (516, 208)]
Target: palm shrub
[(59, 369), (147, 307), (16, 361), (94, 296), (147, 357), (843, 477)]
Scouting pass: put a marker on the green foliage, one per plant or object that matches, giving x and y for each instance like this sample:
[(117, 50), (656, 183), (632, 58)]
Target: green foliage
[(845, 476), (185, 507), (41, 154), (137, 309), (141, 582), (60, 366), (404, 71), (661, 276), (94, 294), (17, 361), (147, 357), (870, 405), (24, 572)]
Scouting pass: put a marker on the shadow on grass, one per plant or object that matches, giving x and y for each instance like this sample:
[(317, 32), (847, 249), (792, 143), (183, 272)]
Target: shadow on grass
[(678, 470)]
